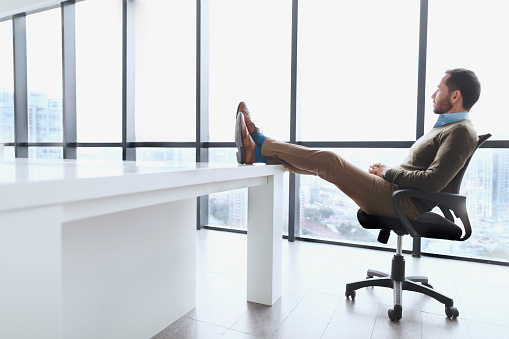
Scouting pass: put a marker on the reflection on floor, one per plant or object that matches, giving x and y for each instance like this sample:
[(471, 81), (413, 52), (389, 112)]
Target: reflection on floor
[(313, 304)]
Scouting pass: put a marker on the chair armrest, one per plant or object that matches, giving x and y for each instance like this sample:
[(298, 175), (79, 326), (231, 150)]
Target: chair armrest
[(446, 212), (452, 201)]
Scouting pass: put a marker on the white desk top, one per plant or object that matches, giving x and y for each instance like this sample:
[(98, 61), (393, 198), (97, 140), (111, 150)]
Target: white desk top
[(29, 182)]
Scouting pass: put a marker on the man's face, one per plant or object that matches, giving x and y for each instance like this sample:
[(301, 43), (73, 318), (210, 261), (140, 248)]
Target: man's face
[(442, 98)]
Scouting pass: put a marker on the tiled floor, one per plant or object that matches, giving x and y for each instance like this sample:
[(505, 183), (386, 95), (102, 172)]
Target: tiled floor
[(313, 304)]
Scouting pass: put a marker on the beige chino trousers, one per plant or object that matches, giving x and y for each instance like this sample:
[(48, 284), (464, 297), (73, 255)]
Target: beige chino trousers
[(370, 192)]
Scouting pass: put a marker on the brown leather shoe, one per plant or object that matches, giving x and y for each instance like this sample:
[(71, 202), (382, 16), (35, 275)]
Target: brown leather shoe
[(251, 127), (245, 144)]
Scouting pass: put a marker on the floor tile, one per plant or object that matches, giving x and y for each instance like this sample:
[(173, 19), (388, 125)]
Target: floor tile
[(496, 275), (408, 327), (170, 331), (304, 274), (503, 295), (231, 334), (310, 318), (439, 326), (482, 330), (262, 320), (313, 304), (226, 311), (352, 320), (197, 330), (480, 302), (211, 287)]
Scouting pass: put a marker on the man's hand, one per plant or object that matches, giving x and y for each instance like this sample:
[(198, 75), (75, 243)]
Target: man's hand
[(377, 169)]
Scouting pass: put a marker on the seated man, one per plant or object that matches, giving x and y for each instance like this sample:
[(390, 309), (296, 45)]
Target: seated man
[(431, 164)]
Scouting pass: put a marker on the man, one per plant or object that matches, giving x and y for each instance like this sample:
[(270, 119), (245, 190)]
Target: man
[(431, 164)]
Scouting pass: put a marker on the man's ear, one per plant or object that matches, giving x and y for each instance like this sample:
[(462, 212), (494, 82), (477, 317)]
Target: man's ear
[(456, 96)]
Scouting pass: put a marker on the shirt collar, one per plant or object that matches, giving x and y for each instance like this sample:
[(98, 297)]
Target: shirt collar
[(448, 118)]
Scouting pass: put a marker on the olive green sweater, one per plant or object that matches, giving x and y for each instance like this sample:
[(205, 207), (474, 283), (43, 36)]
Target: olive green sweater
[(434, 160)]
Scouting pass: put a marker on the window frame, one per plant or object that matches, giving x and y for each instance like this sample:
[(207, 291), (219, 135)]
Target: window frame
[(201, 144)]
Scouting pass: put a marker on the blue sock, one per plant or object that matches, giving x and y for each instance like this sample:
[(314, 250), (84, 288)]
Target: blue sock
[(258, 137), (258, 155)]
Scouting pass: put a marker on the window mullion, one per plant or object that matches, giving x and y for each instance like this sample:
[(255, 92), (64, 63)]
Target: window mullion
[(20, 86), (421, 92), (69, 79), (294, 185), (128, 65), (421, 86), (202, 99)]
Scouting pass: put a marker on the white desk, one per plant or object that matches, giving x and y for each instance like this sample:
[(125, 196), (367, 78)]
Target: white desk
[(107, 250)]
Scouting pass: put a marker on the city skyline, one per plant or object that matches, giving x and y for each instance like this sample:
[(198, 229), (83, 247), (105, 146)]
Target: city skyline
[(486, 183)]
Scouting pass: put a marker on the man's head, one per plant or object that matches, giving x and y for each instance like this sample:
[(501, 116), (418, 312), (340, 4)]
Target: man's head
[(458, 91)]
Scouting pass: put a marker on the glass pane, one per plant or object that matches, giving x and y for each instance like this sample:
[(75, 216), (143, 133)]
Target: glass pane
[(8, 153), (327, 213), (486, 185), (100, 153), (6, 83), (358, 69), (475, 48), (45, 152), (171, 155), (229, 209), (165, 70), (250, 60), (44, 67), (223, 155), (99, 70)]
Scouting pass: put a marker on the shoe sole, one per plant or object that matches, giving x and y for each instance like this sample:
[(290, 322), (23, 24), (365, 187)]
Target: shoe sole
[(238, 107), (241, 153)]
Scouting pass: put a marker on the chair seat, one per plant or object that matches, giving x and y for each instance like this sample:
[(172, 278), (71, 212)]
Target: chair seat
[(428, 225)]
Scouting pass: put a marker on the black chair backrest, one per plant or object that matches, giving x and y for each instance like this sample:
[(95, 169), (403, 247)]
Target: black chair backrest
[(456, 181)]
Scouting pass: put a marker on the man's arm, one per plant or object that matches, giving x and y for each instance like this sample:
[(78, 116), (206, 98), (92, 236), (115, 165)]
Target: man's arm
[(454, 150)]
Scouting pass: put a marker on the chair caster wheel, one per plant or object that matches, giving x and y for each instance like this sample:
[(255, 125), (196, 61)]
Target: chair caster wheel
[(396, 313), (451, 312), (350, 294)]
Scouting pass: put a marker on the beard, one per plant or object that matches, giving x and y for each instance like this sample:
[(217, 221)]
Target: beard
[(442, 106)]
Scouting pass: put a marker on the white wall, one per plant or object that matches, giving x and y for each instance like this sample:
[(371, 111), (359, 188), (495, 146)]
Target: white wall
[(11, 7)]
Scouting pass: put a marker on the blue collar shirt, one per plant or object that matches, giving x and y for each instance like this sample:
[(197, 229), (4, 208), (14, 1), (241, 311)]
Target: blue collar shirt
[(448, 118)]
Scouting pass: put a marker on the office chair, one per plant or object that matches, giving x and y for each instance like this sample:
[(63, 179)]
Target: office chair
[(428, 225)]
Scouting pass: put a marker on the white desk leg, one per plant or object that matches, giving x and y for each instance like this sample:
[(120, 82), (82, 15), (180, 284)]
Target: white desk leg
[(264, 241), (30, 274)]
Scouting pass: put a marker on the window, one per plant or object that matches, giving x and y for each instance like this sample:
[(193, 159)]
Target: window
[(250, 57), (327, 213), (229, 209), (487, 177), (474, 48), (45, 153), (250, 62), (44, 68), (358, 69), (357, 80), (99, 70), (99, 153), (165, 108), (171, 155), (486, 185), (6, 84), (8, 153)]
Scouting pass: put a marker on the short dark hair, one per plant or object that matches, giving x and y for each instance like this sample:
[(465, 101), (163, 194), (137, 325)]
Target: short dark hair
[(467, 83)]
